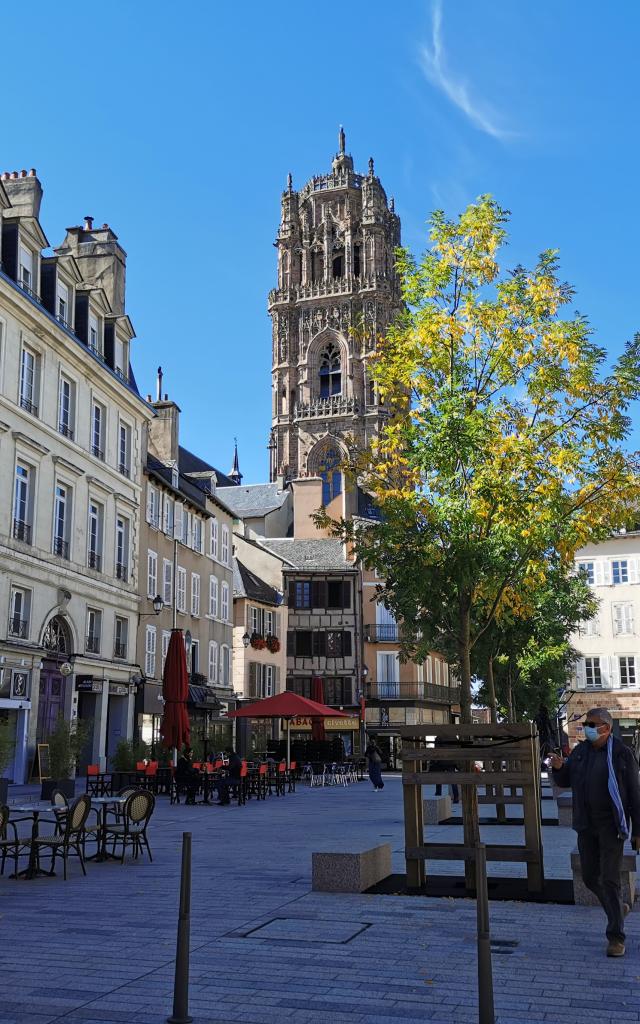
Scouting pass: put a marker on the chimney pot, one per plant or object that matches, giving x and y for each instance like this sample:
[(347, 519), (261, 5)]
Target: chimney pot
[(32, 172), (148, 398), (166, 397), (14, 174), (104, 226), (88, 223), (23, 174)]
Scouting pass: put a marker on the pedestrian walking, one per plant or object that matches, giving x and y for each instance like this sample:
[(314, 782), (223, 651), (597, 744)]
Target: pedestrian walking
[(373, 755), (603, 776)]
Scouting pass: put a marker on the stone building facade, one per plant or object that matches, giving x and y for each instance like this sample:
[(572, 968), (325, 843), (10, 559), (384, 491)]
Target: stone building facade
[(337, 292), (71, 429), (186, 547), (607, 672)]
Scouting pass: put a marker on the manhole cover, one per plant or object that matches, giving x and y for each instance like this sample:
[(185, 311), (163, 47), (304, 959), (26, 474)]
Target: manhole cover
[(308, 931)]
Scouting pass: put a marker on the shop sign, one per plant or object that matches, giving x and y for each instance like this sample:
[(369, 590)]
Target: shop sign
[(330, 724), (118, 690), (87, 684)]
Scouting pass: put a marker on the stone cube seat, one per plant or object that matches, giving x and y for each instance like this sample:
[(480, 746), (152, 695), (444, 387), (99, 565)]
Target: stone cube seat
[(350, 871), (436, 809), (584, 897)]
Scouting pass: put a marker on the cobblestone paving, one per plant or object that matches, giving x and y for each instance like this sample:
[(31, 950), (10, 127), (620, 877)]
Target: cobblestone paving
[(265, 949)]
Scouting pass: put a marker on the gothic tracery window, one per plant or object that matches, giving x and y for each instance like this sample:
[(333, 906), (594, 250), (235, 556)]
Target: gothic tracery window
[(330, 371), (56, 636), (330, 474)]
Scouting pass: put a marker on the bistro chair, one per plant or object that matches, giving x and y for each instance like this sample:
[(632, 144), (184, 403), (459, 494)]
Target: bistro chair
[(10, 846), (151, 776), (132, 830), (70, 839), (94, 785)]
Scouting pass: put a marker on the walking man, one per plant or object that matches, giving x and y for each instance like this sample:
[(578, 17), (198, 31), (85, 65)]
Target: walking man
[(603, 775)]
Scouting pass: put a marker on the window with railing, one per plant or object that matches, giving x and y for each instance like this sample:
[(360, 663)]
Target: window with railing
[(98, 416), (29, 381), (121, 637), (19, 613), (122, 548), (23, 503), (94, 536), (124, 449), (61, 520), (66, 407), (94, 630)]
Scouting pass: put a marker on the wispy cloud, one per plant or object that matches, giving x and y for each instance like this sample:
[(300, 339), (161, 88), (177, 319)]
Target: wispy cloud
[(434, 65)]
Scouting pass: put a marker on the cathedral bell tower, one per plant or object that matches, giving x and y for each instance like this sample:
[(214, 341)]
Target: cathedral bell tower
[(336, 245)]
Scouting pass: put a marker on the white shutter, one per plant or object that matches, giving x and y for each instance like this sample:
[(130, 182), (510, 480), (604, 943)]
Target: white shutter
[(633, 570), (613, 672), (581, 676), (177, 521), (167, 582), (607, 573), (629, 618), (598, 573)]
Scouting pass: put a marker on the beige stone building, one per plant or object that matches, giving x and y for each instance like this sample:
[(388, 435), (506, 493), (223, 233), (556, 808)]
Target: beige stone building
[(71, 426), (607, 672), (186, 547)]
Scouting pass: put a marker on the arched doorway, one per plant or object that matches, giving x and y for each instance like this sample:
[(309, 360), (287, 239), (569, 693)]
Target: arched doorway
[(57, 643)]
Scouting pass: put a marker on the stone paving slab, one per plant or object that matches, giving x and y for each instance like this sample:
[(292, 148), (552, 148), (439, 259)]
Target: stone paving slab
[(99, 950)]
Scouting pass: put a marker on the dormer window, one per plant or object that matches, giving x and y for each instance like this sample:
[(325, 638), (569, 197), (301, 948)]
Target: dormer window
[(95, 341), (26, 269), (62, 309), (330, 371)]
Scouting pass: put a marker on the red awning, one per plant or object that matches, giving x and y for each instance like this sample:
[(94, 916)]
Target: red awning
[(286, 705), (175, 727)]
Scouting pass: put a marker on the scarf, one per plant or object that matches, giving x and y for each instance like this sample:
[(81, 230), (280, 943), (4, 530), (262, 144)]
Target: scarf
[(614, 793)]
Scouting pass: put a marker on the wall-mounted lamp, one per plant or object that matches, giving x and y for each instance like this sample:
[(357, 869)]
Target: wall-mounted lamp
[(246, 640)]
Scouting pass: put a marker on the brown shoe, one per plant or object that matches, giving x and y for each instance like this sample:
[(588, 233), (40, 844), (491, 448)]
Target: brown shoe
[(615, 948), (626, 909)]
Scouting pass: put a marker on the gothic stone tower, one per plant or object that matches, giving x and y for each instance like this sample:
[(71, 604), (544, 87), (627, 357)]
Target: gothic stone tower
[(335, 246)]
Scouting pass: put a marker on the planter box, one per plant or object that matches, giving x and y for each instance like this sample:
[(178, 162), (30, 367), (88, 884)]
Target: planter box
[(66, 786)]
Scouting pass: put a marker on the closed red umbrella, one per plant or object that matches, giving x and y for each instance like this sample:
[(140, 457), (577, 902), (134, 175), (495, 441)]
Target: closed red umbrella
[(317, 694), (175, 728)]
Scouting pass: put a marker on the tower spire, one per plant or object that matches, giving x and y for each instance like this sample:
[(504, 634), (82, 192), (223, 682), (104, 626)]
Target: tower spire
[(235, 473), (341, 141)]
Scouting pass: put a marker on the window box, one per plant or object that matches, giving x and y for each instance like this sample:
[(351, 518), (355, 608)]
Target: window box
[(258, 642), (272, 643)]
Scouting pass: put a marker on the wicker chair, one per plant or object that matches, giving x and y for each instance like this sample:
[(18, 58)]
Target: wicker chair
[(10, 846), (132, 829), (70, 839)]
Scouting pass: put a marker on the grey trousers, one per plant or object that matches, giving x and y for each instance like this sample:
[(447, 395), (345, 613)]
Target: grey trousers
[(601, 861)]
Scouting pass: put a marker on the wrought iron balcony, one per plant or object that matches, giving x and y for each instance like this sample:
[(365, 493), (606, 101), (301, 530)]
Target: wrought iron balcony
[(94, 561), (21, 531), (381, 633), (61, 547), (96, 352), (65, 430), (18, 627), (92, 645), (119, 649), (396, 690), (124, 469), (98, 452), (28, 405), (63, 321), (29, 290), (122, 572)]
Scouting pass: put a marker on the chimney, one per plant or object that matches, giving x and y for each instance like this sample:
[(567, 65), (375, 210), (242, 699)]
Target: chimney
[(164, 428), (24, 192), (159, 388), (88, 223)]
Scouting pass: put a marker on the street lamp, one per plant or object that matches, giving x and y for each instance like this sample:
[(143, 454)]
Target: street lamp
[(158, 605), (246, 640)]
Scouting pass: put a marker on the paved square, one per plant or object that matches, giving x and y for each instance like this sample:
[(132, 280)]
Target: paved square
[(99, 950)]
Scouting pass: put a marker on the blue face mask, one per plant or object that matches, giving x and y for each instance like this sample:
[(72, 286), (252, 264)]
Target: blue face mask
[(591, 733)]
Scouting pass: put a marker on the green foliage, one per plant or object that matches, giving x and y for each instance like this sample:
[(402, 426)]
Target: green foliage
[(7, 744), (66, 743), (127, 754), (503, 452)]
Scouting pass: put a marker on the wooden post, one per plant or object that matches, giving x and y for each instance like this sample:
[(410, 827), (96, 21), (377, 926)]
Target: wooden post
[(413, 825), (531, 810)]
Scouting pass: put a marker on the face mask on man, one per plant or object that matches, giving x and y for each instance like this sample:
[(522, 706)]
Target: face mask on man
[(592, 731)]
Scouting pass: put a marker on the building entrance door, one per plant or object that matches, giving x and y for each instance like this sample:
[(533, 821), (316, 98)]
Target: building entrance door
[(51, 700)]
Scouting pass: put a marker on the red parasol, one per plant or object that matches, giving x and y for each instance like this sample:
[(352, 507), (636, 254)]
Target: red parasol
[(175, 728), (317, 694), (286, 705)]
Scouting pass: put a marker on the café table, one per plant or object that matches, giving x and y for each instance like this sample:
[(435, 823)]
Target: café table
[(103, 802), (34, 811)]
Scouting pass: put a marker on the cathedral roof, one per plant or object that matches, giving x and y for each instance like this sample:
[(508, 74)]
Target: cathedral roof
[(248, 502), (309, 555)]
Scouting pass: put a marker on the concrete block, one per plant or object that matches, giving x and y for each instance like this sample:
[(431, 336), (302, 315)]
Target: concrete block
[(584, 897), (350, 872), (436, 809), (565, 809)]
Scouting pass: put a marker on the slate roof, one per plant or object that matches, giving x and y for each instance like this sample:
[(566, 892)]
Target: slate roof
[(196, 491), (309, 555), (190, 463), (247, 584), (252, 500)]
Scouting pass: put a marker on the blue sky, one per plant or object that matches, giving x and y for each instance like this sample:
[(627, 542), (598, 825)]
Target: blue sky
[(177, 124)]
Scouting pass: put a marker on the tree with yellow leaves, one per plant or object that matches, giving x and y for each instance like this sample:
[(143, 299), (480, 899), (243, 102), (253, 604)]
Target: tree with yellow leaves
[(504, 446)]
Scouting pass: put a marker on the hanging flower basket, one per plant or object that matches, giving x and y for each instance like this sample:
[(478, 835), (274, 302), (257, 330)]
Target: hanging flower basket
[(258, 642), (273, 644)]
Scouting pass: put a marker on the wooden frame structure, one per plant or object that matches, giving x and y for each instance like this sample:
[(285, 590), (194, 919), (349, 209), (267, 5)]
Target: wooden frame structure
[(512, 758)]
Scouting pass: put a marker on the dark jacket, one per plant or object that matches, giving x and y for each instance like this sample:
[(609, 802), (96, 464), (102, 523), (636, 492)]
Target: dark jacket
[(573, 775), (235, 766)]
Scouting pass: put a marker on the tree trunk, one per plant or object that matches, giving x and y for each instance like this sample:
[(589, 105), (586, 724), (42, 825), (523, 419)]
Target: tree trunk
[(469, 794), (493, 706)]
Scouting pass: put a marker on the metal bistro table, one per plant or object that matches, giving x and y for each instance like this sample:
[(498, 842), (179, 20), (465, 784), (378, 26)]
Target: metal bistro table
[(103, 803), (34, 811)]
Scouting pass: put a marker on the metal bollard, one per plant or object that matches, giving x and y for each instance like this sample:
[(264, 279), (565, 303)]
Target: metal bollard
[(486, 1012), (180, 1013)]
